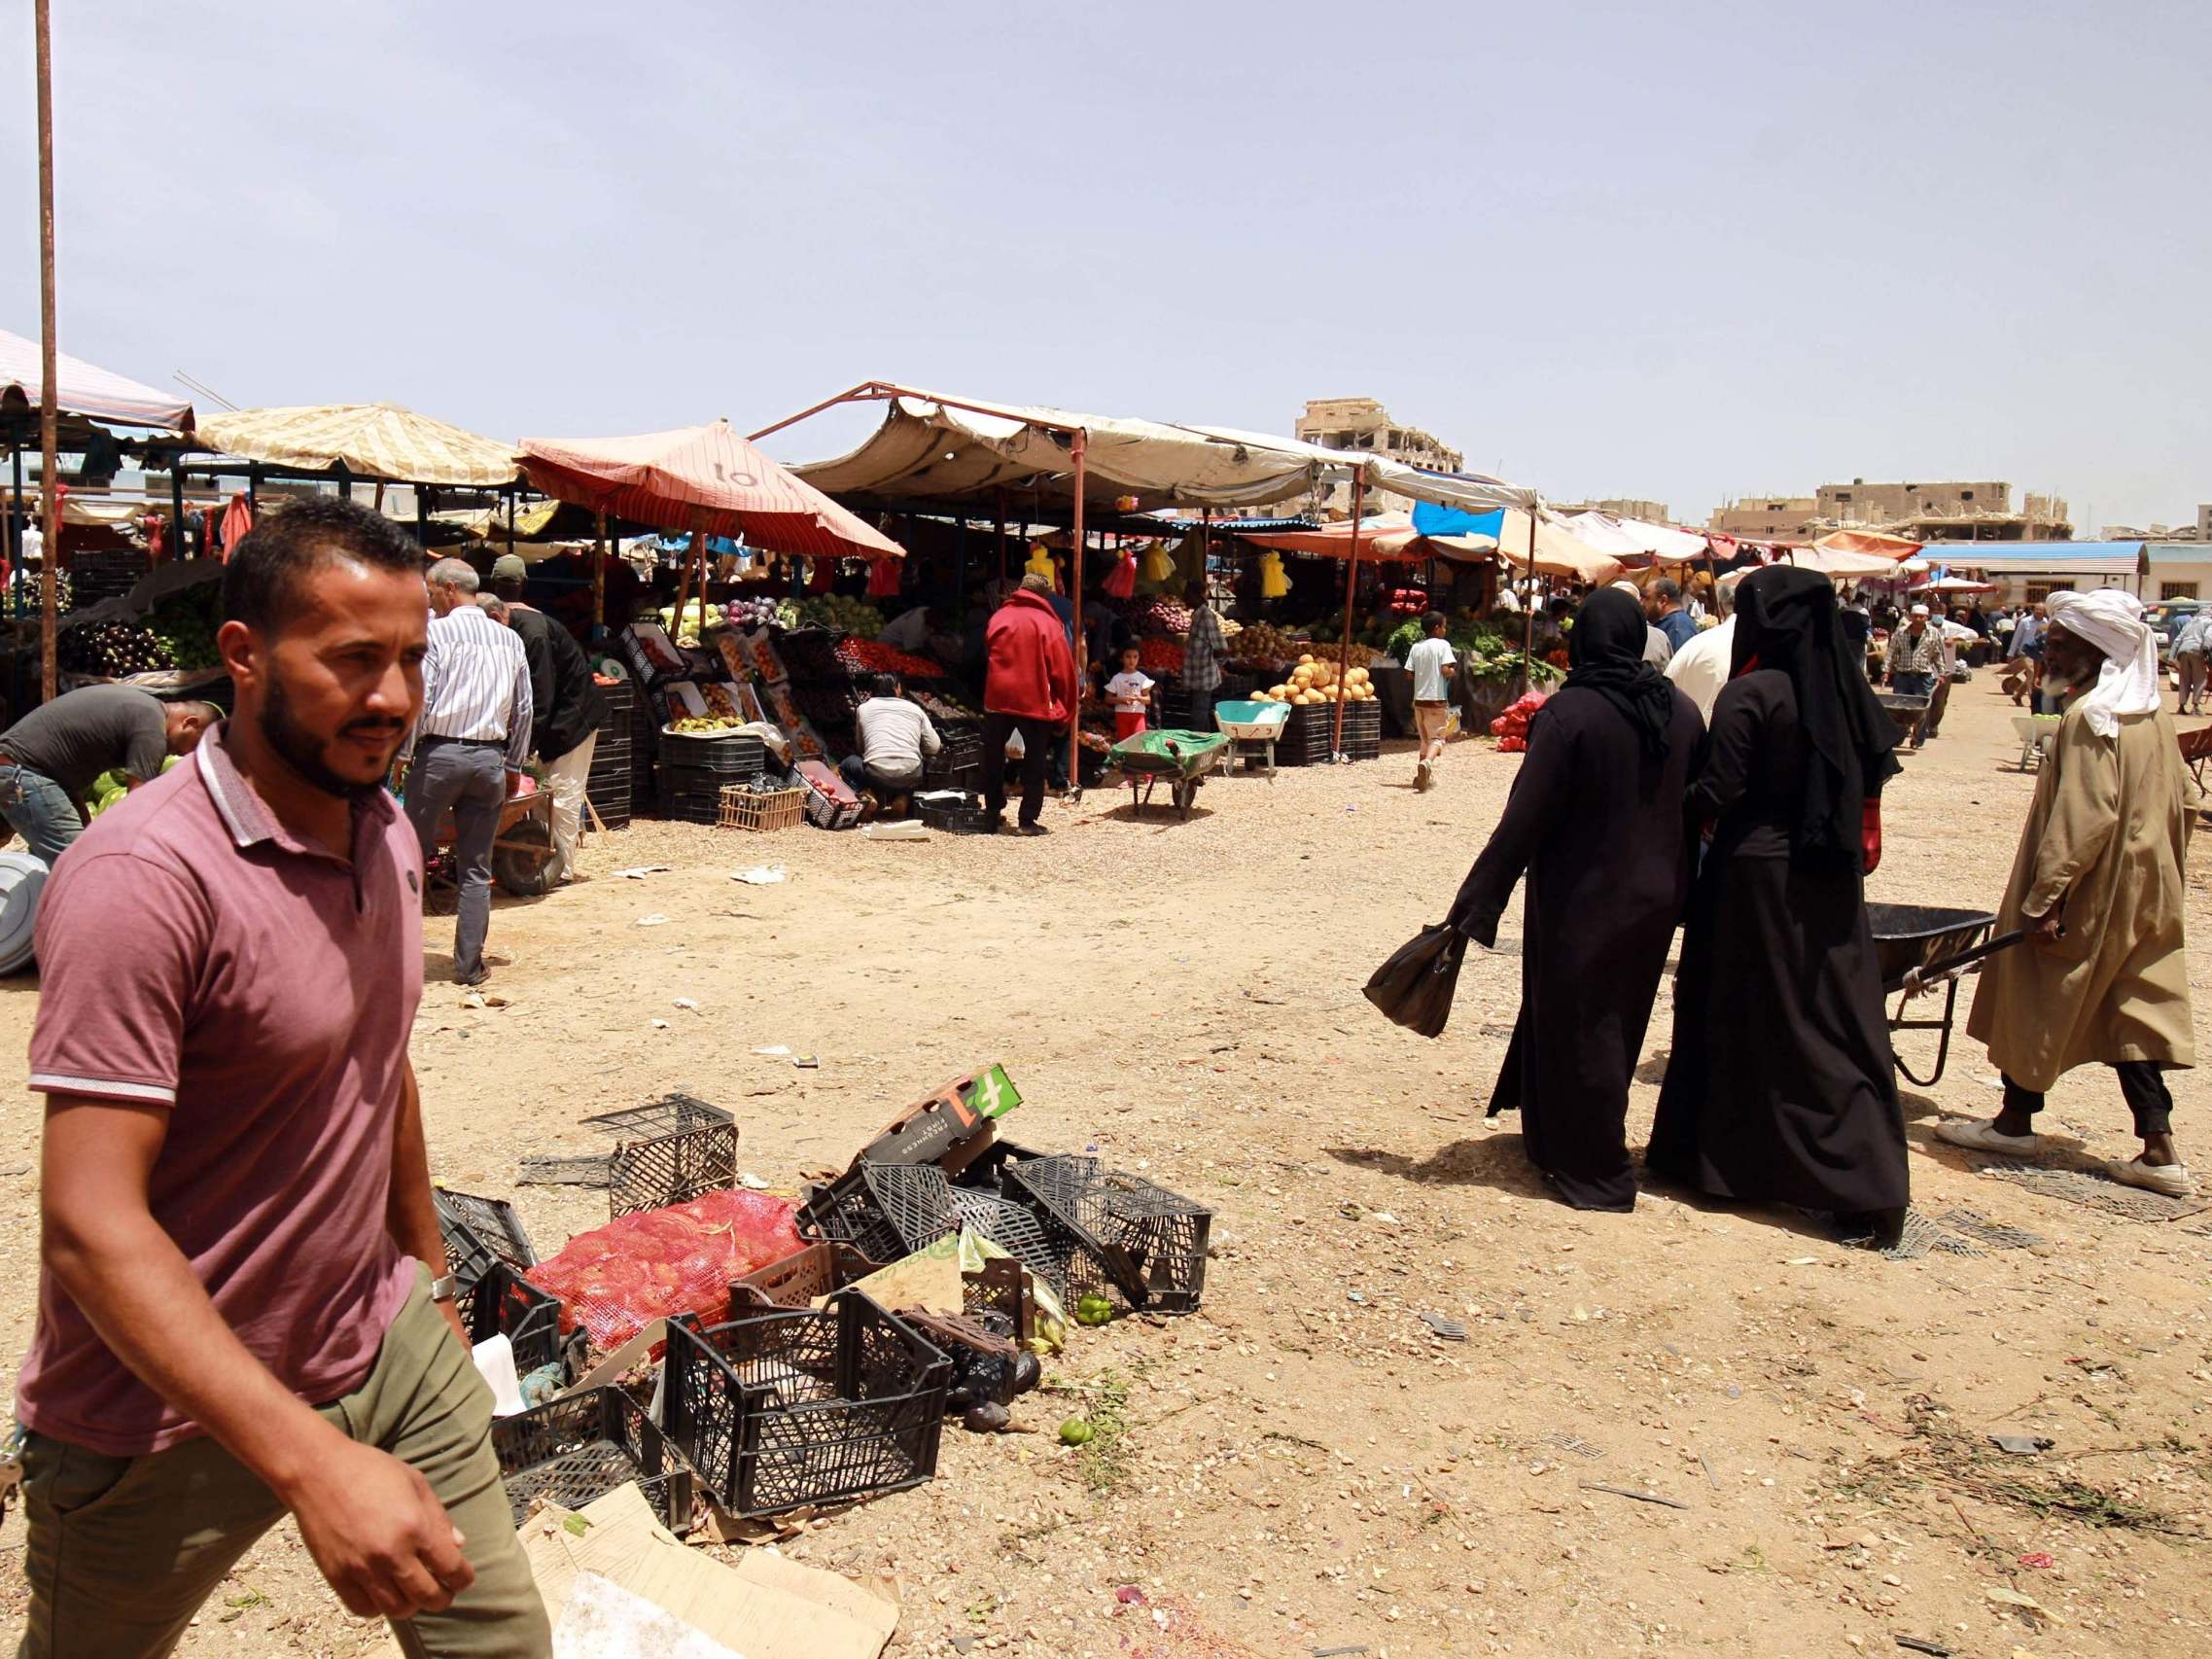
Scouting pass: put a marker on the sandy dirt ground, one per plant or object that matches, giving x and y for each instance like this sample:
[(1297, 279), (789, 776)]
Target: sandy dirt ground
[(1303, 1467)]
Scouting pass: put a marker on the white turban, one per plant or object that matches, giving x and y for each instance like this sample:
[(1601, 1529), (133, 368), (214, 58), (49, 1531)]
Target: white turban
[(2128, 681)]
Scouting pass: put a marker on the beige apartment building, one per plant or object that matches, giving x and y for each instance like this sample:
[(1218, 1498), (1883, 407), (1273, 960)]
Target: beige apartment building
[(1362, 423), (1951, 511), (1764, 517)]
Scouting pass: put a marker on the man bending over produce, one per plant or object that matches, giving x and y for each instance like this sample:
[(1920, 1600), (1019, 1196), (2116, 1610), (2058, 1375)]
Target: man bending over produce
[(50, 758), (235, 1319)]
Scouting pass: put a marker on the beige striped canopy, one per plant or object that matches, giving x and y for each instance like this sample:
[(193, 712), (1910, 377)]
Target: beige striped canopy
[(374, 441)]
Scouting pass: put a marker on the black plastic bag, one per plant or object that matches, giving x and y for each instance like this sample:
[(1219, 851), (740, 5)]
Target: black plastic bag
[(1414, 987)]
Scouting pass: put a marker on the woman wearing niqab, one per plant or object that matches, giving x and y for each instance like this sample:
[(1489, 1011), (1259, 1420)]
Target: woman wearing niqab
[(1780, 1088), (1595, 821)]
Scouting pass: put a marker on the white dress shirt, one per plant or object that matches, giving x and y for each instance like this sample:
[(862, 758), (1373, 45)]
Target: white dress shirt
[(475, 684)]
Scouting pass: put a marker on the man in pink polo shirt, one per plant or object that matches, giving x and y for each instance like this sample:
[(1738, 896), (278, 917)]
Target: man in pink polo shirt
[(234, 1315)]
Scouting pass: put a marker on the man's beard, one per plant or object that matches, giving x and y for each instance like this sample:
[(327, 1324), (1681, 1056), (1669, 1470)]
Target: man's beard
[(303, 754)]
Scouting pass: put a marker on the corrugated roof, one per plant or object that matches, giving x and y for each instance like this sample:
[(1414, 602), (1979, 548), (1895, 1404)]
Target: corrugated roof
[(2178, 553), (2059, 557)]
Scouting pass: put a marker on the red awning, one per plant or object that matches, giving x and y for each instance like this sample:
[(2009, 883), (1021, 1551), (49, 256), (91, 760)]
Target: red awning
[(705, 480)]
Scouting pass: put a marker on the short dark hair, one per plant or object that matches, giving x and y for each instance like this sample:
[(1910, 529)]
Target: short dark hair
[(1665, 587), (885, 685), (1431, 622), (290, 543)]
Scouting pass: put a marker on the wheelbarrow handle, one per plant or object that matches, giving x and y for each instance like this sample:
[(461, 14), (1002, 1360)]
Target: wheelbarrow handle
[(1934, 971)]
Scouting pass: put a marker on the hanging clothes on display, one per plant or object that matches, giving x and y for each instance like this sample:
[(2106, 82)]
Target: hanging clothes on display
[(238, 520), (1121, 581)]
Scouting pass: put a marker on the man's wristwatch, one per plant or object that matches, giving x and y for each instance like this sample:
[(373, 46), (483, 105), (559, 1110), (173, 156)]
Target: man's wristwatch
[(445, 1290)]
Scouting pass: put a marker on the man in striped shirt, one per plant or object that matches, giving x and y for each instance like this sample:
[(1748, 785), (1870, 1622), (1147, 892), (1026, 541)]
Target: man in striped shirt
[(470, 747)]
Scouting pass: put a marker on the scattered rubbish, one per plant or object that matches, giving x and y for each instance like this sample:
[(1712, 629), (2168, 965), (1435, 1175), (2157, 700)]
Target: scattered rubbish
[(688, 1003), (494, 1358), (762, 1604), (1355, 1297), (2040, 1559), (483, 1000), (1712, 1480), (640, 872), (775, 1050), (950, 1129), (989, 1417), (1922, 1644), (614, 1280), (1802, 1261), (760, 875), (542, 1169), (752, 1182), (586, 1444), (1450, 1329), (1340, 1652), (2028, 1604), (655, 919), (1575, 1443), (1630, 1491), (2021, 1445), (895, 829), (606, 1621), (661, 1025), (666, 1151), (806, 1062)]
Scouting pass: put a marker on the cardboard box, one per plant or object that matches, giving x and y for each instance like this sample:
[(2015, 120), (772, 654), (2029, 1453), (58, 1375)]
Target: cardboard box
[(951, 1128)]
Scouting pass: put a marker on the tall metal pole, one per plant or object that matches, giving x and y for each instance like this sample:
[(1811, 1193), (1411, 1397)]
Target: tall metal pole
[(599, 575), (1350, 585), (1075, 579), (998, 499), (1528, 622), (49, 369)]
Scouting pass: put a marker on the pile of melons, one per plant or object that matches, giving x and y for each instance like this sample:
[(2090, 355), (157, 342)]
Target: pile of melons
[(1315, 681)]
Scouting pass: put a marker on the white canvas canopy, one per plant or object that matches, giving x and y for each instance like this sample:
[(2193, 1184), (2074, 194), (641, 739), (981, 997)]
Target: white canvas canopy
[(929, 449), (1637, 538)]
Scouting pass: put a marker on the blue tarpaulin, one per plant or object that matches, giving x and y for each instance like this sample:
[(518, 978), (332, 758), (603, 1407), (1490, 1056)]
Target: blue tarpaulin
[(1430, 519)]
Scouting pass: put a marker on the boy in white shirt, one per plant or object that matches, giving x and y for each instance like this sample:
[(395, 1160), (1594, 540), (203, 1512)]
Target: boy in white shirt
[(1434, 667), (1131, 693)]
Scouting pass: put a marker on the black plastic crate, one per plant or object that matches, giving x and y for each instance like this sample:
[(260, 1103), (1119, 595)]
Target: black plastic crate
[(1027, 1234), (818, 1405), (1309, 735), (572, 1450), (885, 1210), (1151, 1242), (732, 754), (494, 1220), (667, 1152), (986, 1364), (958, 763), (504, 1303)]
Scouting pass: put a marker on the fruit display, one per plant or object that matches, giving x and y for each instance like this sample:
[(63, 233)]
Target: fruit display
[(751, 613), (1318, 680), (1264, 642), (835, 612), (26, 593), (1159, 656), (1511, 728), (1157, 617), (185, 624), (112, 649), (873, 656), (702, 725), (697, 618)]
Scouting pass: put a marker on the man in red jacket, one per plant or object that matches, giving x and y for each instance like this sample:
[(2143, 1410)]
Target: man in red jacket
[(1029, 686)]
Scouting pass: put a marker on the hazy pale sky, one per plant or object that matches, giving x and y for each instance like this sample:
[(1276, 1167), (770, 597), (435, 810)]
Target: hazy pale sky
[(1677, 252)]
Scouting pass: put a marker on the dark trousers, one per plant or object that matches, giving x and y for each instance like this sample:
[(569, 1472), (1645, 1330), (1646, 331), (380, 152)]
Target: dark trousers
[(1037, 736), (859, 775), (2142, 1086), (471, 780)]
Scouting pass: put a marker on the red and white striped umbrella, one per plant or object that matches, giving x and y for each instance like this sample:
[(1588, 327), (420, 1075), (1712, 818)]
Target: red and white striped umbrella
[(705, 480)]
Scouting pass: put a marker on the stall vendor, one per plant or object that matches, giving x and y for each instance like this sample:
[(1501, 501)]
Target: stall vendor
[(51, 756), (896, 737)]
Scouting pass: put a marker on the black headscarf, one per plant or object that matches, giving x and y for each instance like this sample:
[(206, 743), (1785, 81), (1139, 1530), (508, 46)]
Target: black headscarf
[(1786, 620), (1605, 655)]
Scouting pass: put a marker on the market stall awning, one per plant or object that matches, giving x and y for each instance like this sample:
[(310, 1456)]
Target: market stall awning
[(929, 449), (2103, 559), (1382, 536), (1874, 541), (1637, 539), (705, 478), (371, 441), (86, 389), (1557, 550)]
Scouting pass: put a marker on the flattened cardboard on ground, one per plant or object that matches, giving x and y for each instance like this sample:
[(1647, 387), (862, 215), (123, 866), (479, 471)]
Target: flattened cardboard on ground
[(764, 1607), (605, 1621), (951, 1128)]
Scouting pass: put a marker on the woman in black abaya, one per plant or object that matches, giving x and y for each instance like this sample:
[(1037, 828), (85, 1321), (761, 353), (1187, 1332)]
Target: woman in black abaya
[(1596, 820), (1780, 1088)]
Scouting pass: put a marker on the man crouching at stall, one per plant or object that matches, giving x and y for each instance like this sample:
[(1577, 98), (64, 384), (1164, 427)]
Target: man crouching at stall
[(235, 1319)]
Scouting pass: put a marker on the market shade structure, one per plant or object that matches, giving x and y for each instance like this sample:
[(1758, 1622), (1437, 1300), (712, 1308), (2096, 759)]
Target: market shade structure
[(706, 479), (1637, 539), (85, 390), (1892, 548), (370, 440), (1526, 541)]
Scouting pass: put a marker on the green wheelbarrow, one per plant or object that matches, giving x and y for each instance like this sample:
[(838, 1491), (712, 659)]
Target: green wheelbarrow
[(1181, 760)]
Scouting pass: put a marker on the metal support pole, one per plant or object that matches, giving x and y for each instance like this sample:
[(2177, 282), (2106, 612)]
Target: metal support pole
[(422, 516), (1529, 615), (999, 498), (177, 504), (1075, 711), (50, 510), (16, 519), (514, 502), (599, 575), (1350, 587), (345, 481)]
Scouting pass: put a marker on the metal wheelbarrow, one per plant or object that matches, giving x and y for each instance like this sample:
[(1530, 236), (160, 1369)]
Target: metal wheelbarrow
[(1179, 759), (1919, 946)]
